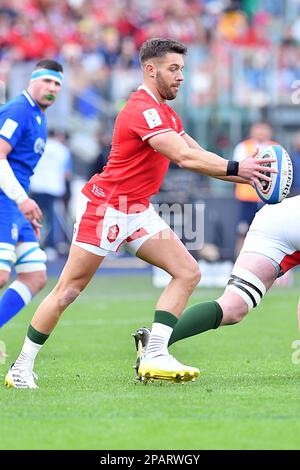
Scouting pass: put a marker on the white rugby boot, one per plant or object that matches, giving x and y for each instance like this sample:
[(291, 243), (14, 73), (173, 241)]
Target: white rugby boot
[(166, 367), (20, 378)]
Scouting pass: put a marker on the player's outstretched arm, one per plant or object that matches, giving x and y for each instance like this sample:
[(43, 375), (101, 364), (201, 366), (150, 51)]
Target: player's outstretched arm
[(233, 179), (13, 189), (177, 149)]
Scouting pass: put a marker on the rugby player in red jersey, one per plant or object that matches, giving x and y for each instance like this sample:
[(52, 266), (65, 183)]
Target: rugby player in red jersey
[(114, 209)]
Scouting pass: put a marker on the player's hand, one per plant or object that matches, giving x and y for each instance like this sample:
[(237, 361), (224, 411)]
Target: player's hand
[(37, 228), (254, 169), (31, 210)]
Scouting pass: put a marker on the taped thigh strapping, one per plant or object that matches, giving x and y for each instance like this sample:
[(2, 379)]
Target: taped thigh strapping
[(7, 256), (247, 285), (30, 258)]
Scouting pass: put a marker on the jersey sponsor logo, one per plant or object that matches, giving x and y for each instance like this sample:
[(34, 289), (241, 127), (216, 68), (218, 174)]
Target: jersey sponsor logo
[(8, 128), (98, 191), (39, 146), (14, 232), (113, 233), (152, 117)]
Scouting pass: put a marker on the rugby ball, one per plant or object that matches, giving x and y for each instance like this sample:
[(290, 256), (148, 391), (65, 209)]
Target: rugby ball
[(278, 188)]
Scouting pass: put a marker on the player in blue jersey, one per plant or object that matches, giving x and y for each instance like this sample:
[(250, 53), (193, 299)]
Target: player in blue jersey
[(23, 134)]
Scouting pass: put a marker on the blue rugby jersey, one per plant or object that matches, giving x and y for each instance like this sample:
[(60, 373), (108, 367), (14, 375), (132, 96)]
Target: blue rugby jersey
[(23, 126)]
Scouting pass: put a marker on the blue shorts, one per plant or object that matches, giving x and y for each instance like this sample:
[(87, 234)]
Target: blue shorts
[(14, 227)]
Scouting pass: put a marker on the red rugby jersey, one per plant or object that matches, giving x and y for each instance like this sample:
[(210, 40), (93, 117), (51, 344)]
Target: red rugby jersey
[(135, 171)]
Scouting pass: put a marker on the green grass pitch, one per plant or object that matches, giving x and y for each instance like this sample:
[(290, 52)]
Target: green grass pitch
[(247, 396)]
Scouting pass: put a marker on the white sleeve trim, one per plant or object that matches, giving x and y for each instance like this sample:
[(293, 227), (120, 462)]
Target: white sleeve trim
[(8, 128), (182, 132), (157, 132)]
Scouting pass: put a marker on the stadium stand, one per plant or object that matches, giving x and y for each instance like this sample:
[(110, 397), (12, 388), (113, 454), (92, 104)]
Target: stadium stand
[(243, 65)]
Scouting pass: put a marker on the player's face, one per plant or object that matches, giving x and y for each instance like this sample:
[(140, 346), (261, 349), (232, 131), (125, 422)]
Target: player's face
[(44, 91), (168, 75), (261, 132)]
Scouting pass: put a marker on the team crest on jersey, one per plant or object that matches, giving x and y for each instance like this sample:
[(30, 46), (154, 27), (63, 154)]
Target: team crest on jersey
[(98, 191), (152, 117), (14, 232), (113, 233), (39, 146)]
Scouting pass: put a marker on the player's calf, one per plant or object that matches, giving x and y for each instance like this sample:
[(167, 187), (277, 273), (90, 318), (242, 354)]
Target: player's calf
[(4, 278), (233, 307), (35, 281)]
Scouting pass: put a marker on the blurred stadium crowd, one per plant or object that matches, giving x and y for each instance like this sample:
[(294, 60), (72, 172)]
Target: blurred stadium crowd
[(243, 66)]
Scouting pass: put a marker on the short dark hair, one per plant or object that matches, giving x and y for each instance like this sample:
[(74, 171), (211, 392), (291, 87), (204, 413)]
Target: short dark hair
[(49, 64), (158, 47), (261, 123)]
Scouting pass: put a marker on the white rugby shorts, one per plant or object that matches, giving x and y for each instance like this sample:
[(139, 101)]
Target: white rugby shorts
[(275, 233), (101, 230)]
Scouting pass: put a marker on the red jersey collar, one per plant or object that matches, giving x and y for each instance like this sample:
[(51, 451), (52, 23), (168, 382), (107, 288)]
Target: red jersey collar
[(146, 89)]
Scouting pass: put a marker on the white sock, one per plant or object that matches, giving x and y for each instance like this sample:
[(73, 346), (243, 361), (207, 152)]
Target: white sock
[(158, 341), (27, 355)]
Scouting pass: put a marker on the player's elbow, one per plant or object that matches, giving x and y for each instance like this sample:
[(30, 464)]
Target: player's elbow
[(182, 159)]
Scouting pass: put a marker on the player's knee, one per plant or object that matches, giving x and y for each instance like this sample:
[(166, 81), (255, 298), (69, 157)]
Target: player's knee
[(234, 308), (67, 296), (4, 278), (234, 316), (191, 274), (40, 280), (36, 281), (196, 274)]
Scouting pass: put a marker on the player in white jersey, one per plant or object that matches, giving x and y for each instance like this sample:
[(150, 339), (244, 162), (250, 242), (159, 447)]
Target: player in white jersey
[(271, 248)]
